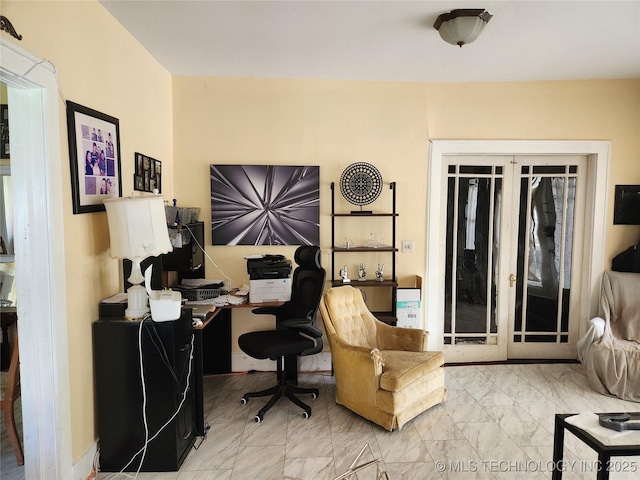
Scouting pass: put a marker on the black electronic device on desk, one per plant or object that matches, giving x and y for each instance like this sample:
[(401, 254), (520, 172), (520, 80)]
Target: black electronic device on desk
[(268, 266), (187, 261), (198, 290), (168, 374)]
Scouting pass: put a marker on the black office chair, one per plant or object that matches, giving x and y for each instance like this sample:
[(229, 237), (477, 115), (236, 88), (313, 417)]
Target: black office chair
[(295, 334)]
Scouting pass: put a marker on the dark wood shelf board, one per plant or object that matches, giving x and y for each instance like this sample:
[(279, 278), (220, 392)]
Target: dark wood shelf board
[(366, 283), (365, 214), (365, 249)]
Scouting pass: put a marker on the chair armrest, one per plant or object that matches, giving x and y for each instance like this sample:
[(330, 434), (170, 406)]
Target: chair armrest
[(266, 310), (310, 332), (598, 325), (288, 310), (293, 310), (293, 322), (595, 330), (307, 329), (358, 369), (400, 338)]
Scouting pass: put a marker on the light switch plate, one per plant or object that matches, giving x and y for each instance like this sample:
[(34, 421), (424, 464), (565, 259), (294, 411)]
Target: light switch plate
[(407, 246)]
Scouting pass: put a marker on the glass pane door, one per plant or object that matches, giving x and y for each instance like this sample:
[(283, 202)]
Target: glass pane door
[(474, 204), (511, 259), (548, 197)]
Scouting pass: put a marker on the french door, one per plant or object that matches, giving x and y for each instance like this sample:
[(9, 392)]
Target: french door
[(512, 256)]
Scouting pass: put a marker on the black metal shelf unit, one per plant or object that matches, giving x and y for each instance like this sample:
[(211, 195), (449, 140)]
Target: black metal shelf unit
[(392, 282)]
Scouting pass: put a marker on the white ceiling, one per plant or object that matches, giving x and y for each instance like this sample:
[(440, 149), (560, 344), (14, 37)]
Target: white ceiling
[(386, 40)]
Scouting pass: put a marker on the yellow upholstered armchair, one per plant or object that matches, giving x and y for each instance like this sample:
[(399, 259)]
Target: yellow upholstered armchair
[(383, 373)]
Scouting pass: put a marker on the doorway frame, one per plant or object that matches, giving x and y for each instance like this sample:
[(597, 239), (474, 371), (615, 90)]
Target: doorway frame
[(598, 159), (32, 89)]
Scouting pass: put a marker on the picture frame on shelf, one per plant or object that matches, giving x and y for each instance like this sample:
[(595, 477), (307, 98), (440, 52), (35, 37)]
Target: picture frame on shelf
[(94, 155), (148, 173)]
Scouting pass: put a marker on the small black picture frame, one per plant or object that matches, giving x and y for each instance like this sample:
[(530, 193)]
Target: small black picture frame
[(4, 131), (148, 173), (94, 155), (627, 205)]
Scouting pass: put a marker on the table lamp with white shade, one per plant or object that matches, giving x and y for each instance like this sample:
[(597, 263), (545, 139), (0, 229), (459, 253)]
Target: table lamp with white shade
[(138, 230)]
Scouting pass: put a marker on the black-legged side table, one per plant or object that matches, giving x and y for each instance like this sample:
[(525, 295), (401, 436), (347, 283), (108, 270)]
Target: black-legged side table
[(605, 452)]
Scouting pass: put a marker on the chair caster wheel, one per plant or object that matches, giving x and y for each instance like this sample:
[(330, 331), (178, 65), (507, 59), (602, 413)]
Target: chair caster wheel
[(314, 395), (306, 414), (243, 401), (258, 418)]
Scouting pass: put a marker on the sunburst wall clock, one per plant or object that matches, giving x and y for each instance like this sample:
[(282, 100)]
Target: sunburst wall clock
[(265, 205), (361, 184)]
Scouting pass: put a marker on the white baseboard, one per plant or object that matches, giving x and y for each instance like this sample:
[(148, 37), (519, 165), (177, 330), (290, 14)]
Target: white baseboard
[(241, 362), (83, 467)]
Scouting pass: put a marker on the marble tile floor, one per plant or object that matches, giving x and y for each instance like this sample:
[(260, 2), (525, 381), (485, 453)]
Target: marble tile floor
[(497, 423)]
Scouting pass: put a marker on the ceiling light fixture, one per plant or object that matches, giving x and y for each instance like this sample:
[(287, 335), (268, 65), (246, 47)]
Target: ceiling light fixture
[(462, 26)]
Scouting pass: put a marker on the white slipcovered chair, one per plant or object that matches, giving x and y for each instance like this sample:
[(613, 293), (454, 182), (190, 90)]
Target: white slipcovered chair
[(610, 350)]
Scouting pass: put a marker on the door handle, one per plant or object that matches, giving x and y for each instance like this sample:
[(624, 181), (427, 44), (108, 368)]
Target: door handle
[(512, 279)]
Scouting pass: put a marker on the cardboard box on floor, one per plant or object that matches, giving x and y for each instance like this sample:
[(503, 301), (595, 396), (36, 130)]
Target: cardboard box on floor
[(408, 305)]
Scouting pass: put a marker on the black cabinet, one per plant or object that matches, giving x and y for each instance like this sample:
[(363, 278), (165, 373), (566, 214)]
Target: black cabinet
[(166, 359)]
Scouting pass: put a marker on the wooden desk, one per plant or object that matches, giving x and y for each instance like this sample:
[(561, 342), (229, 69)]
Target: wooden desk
[(218, 310), (216, 337)]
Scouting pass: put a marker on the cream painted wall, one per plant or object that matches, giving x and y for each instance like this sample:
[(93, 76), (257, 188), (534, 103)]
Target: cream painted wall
[(99, 65), (580, 110), (336, 123), (331, 124)]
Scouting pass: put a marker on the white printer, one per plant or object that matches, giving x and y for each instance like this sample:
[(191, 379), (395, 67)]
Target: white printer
[(269, 279), (270, 290)]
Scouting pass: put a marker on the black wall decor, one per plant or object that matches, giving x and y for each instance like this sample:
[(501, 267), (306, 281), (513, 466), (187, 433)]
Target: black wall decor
[(7, 26), (361, 184), (4, 131), (148, 174), (627, 205)]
